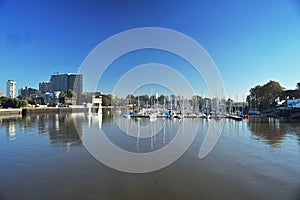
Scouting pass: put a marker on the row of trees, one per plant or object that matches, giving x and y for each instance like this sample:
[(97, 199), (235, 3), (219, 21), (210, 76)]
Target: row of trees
[(33, 100), (196, 102), (67, 98), (12, 102), (265, 97), (146, 100), (262, 97)]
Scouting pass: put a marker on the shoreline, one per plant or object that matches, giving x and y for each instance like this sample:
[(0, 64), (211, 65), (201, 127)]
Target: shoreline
[(62, 110), (10, 111), (26, 111), (43, 110)]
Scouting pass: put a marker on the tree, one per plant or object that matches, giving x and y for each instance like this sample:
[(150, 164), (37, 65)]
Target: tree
[(24, 103), (71, 94), (298, 86), (62, 97), (3, 101), (263, 97), (70, 97), (200, 101), (143, 99), (106, 100), (12, 102), (131, 99), (162, 98)]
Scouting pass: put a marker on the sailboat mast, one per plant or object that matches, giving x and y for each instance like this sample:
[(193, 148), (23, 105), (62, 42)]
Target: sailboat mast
[(164, 100), (139, 97)]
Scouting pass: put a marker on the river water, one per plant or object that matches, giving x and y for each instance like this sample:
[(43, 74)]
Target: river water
[(43, 157)]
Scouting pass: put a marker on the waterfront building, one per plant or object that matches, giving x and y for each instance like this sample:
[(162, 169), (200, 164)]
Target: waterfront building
[(64, 82), (28, 92), (45, 86), (11, 89), (97, 102)]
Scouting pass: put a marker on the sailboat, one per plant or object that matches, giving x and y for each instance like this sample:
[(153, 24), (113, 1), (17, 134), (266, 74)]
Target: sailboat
[(128, 113), (153, 116), (181, 113)]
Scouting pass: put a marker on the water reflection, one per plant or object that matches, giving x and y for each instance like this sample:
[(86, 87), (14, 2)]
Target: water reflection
[(60, 128), (11, 130), (137, 134), (273, 131), (93, 118), (66, 129), (10, 126), (152, 135), (141, 134), (234, 127), (32, 162)]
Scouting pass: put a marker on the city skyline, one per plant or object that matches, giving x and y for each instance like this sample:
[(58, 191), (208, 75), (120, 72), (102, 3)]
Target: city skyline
[(250, 42)]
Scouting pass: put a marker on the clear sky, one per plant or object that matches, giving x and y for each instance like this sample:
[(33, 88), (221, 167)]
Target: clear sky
[(251, 42)]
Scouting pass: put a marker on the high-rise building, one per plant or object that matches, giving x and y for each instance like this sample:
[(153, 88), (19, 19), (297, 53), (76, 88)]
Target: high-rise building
[(64, 82), (45, 87), (11, 89)]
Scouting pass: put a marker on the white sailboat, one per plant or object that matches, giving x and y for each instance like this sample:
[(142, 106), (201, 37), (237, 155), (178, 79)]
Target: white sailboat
[(127, 114)]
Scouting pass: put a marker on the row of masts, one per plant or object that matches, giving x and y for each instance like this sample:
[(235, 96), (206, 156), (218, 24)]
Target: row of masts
[(182, 106)]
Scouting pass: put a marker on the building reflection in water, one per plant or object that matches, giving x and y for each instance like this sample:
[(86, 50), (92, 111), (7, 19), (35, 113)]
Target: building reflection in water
[(60, 128), (93, 119), (10, 126), (67, 129), (11, 130)]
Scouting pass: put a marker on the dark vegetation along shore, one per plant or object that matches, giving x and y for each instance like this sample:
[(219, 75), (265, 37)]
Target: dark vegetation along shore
[(273, 100)]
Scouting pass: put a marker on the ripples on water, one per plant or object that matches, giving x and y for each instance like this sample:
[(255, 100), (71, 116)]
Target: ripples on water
[(42, 157)]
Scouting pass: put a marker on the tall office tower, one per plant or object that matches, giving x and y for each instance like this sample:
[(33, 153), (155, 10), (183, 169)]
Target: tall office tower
[(63, 82)]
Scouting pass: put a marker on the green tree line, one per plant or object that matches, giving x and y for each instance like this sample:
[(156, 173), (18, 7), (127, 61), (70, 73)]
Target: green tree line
[(12, 102), (265, 97)]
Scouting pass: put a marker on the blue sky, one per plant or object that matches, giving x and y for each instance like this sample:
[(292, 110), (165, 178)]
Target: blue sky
[(251, 42)]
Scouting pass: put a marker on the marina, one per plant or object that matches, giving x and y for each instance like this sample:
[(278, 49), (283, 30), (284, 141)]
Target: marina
[(149, 100), (251, 158)]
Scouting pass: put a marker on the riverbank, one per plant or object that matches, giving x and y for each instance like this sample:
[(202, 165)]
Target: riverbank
[(285, 113), (26, 111), (11, 111), (37, 110)]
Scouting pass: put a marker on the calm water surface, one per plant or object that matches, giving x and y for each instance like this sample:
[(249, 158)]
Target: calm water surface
[(42, 157)]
